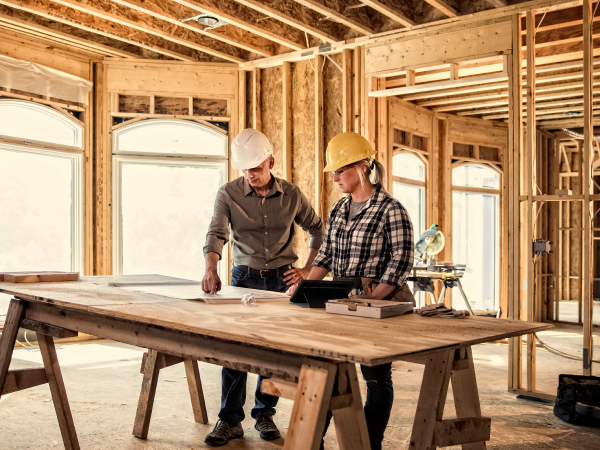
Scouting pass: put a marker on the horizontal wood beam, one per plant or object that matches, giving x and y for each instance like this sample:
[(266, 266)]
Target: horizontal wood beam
[(39, 27), (95, 25), (174, 13), (17, 380), (290, 20), (148, 25), (442, 6), (387, 11), (220, 9), (451, 84), (336, 16)]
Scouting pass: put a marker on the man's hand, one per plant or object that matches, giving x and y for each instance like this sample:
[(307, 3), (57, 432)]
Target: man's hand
[(295, 275), (211, 283)]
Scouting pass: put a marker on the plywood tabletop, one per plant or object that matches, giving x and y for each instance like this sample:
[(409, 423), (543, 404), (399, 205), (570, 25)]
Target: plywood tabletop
[(282, 327)]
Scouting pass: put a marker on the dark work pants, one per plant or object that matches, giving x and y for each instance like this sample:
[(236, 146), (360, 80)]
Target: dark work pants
[(380, 397), (233, 387)]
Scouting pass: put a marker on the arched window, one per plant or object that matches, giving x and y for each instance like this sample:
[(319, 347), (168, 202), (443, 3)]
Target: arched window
[(40, 189), (409, 187), (476, 232), (165, 179)]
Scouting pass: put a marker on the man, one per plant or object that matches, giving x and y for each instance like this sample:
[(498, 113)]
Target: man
[(260, 210)]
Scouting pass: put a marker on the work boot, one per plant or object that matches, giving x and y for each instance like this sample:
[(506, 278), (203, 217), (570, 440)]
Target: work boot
[(222, 433), (266, 426)]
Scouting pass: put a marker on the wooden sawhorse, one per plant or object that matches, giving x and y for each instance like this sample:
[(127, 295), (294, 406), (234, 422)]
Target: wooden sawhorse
[(152, 362), (17, 380)]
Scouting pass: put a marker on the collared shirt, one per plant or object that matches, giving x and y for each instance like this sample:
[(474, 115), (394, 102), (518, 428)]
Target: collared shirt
[(376, 243), (262, 228)]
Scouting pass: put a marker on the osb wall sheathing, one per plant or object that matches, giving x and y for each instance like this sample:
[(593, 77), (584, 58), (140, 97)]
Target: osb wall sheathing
[(249, 100), (303, 142), (272, 114), (571, 233), (332, 122)]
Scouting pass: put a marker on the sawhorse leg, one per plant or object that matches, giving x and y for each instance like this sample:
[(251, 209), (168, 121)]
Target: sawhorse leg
[(323, 387), (152, 363), (11, 381), (470, 429)]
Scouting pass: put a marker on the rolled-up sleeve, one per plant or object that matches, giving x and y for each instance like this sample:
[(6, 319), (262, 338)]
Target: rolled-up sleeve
[(399, 234), (218, 230), (310, 222)]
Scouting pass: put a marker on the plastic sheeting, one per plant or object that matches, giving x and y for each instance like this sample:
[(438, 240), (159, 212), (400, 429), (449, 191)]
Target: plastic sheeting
[(41, 80)]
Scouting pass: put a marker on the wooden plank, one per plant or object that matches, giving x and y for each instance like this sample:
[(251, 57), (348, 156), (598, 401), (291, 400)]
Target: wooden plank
[(349, 419), (39, 277), (432, 398), (444, 7), (207, 81), (173, 14), (384, 148), (347, 99), (466, 403), (287, 120), (147, 393), (17, 380), (279, 388), (338, 17), (103, 174), (307, 421), (587, 207), (357, 95), (392, 13), (220, 13), (59, 394), (509, 292), (471, 43), (319, 136), (196, 392), (528, 180), (203, 44), (163, 360), (14, 316), (450, 84), (290, 20), (48, 330), (257, 99)]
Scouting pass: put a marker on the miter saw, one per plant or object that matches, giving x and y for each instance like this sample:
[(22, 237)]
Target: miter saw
[(431, 243)]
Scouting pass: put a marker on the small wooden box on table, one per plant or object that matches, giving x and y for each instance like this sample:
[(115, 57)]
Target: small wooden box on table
[(310, 355)]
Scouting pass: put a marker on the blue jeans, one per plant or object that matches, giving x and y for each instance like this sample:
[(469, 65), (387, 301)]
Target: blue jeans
[(378, 406), (233, 387)]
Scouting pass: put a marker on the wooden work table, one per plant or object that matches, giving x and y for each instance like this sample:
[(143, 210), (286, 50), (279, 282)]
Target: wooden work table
[(310, 354)]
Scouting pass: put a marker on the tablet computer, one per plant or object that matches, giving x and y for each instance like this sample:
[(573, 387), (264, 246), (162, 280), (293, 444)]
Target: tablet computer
[(315, 293)]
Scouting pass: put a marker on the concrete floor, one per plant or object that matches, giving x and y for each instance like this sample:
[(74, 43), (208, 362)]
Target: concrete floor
[(103, 380)]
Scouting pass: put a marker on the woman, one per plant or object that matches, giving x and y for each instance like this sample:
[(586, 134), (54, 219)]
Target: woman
[(368, 240)]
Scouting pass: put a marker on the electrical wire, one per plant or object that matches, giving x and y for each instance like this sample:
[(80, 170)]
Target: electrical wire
[(559, 352)]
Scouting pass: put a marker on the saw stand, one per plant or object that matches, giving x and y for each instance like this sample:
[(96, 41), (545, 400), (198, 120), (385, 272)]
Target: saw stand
[(450, 276)]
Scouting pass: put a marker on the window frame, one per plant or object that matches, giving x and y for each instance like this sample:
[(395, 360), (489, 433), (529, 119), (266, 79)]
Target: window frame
[(492, 191), (157, 159), (73, 153)]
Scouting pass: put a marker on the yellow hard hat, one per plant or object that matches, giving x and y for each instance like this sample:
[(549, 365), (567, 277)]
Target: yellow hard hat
[(347, 148)]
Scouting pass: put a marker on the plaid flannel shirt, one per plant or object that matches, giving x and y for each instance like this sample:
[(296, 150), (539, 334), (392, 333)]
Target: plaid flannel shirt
[(376, 243)]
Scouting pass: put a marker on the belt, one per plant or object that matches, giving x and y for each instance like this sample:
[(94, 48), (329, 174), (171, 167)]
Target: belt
[(265, 273)]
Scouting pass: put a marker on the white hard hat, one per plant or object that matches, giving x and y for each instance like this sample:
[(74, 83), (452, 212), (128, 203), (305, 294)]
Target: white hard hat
[(249, 149)]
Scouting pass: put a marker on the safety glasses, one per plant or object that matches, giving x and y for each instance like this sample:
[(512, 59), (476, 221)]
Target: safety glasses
[(341, 170)]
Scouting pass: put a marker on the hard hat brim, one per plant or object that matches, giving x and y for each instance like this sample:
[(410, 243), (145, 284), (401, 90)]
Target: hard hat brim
[(245, 165)]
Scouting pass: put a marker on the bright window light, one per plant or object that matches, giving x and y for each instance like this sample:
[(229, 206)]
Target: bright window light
[(476, 236), (163, 205), (406, 165), (31, 121), (180, 137)]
